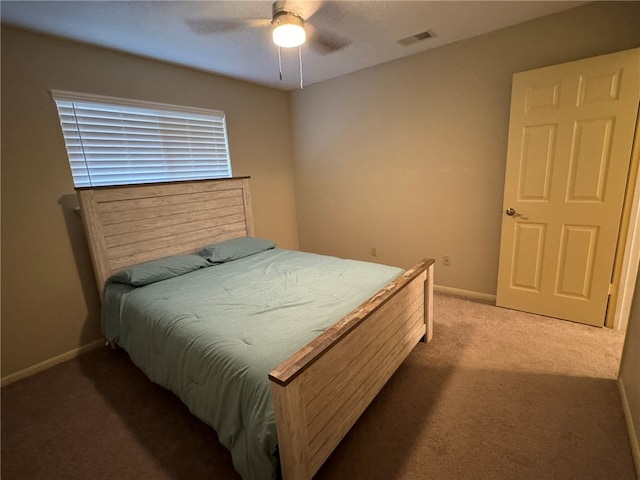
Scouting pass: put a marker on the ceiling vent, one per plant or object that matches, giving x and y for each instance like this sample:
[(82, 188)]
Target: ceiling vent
[(418, 37)]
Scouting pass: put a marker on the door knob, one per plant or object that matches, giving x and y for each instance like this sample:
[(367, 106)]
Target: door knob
[(512, 213)]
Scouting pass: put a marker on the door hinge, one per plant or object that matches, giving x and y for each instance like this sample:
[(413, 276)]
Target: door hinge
[(612, 289)]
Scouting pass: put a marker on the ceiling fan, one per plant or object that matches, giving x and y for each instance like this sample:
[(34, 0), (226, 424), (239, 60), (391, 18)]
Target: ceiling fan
[(293, 23)]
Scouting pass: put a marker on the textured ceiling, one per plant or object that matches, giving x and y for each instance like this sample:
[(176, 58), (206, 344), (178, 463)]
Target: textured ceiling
[(181, 31)]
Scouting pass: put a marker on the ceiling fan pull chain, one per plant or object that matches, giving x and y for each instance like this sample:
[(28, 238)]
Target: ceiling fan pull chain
[(279, 63), (300, 59)]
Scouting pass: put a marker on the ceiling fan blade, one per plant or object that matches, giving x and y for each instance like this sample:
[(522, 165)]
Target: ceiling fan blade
[(209, 26), (325, 42)]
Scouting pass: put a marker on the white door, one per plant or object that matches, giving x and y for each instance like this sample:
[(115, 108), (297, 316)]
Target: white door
[(570, 136)]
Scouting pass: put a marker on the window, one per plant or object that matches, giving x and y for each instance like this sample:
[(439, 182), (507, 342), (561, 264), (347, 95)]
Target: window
[(112, 141)]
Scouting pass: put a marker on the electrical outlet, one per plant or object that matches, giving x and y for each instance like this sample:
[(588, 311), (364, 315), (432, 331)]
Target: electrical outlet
[(373, 251), (446, 261)]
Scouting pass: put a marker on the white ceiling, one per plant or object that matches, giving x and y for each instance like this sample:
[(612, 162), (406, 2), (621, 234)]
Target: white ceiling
[(160, 30)]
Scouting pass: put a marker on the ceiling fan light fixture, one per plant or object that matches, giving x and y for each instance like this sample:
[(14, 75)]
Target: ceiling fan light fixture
[(288, 30)]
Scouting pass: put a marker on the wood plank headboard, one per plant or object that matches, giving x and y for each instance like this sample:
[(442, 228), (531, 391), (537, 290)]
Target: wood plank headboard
[(130, 224)]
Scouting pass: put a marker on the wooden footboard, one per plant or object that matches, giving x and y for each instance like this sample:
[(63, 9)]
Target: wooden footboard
[(322, 390)]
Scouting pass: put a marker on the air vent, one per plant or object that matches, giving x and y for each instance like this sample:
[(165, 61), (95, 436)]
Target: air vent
[(418, 37)]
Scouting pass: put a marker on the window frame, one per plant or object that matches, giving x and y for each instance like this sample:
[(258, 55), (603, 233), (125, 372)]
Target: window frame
[(76, 97)]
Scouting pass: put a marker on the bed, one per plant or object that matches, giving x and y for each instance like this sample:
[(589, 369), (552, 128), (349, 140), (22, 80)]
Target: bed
[(314, 386)]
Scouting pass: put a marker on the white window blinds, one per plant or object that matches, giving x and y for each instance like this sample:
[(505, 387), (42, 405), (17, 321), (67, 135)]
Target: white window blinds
[(114, 141)]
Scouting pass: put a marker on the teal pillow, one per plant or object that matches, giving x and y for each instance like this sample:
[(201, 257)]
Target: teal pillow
[(236, 248), (160, 269)]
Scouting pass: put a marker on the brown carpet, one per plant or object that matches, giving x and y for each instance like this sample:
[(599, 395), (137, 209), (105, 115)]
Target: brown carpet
[(498, 394)]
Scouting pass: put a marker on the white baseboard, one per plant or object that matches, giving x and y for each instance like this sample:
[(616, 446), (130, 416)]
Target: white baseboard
[(27, 372), (633, 439), (483, 297)]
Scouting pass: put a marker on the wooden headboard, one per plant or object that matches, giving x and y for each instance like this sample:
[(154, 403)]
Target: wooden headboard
[(130, 224)]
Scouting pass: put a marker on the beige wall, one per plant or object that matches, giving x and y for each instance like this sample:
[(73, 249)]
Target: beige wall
[(49, 298), (409, 156), (630, 375)]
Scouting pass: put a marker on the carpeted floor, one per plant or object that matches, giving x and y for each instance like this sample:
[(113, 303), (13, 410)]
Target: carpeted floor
[(496, 395)]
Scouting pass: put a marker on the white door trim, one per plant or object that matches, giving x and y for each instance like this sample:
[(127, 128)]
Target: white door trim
[(631, 258)]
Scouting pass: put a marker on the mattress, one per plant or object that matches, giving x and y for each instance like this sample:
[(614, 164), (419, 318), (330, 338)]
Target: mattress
[(213, 335)]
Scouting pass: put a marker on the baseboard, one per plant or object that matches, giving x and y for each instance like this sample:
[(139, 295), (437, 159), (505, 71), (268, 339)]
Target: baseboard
[(27, 372), (457, 292), (633, 439)]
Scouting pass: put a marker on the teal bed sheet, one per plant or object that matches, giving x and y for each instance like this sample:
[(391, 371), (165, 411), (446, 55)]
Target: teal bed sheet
[(213, 335)]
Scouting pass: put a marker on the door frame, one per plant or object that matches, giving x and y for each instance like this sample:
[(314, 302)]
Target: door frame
[(625, 268)]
